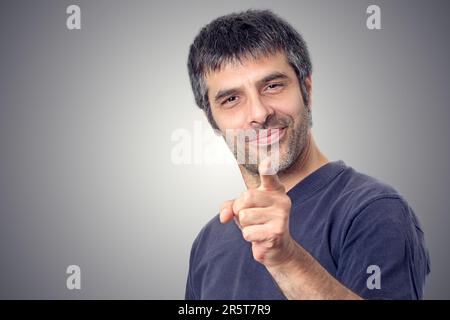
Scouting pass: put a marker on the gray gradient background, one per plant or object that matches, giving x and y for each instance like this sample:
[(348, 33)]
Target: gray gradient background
[(86, 119)]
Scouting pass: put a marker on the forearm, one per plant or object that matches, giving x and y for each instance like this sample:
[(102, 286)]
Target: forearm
[(302, 277)]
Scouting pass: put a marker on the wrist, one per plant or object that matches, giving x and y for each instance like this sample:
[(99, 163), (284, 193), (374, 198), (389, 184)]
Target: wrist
[(295, 260)]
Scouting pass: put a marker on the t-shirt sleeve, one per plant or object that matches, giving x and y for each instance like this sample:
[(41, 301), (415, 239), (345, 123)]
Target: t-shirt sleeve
[(383, 255), (189, 292)]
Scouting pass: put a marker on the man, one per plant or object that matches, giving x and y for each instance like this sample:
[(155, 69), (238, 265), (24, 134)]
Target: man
[(315, 229)]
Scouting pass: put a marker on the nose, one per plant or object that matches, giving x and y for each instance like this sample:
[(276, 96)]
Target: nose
[(258, 113)]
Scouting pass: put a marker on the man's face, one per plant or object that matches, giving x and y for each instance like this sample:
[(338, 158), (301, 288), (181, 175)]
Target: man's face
[(261, 94)]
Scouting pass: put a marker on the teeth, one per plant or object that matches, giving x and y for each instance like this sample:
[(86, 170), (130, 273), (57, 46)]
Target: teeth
[(264, 135), (268, 132)]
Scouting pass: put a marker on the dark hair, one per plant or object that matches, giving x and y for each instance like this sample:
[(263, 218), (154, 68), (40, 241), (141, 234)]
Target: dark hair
[(237, 36)]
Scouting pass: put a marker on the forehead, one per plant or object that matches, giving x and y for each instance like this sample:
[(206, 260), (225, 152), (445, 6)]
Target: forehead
[(250, 70)]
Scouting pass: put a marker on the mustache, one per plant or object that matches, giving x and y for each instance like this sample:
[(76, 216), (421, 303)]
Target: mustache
[(276, 122), (272, 123)]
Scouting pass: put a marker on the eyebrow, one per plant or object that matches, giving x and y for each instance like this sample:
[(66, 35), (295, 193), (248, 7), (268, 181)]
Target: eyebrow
[(273, 76)]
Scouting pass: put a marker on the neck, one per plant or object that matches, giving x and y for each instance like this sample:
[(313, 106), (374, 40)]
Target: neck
[(309, 161)]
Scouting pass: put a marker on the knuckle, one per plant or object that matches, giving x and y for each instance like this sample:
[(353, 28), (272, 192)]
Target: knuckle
[(242, 216), (237, 223), (286, 202), (270, 244), (278, 230), (236, 206), (246, 234), (248, 196), (258, 256), (284, 219)]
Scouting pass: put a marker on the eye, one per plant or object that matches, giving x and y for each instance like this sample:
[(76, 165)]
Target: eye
[(273, 87), (230, 100)]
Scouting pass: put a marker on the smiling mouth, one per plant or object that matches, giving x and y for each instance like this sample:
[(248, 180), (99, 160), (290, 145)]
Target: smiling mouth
[(268, 136)]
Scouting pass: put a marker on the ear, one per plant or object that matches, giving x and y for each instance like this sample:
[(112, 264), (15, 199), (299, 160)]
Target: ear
[(308, 85)]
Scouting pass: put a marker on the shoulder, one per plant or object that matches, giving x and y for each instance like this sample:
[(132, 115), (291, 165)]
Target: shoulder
[(212, 235), (357, 193), (206, 232), (380, 228), (366, 203), (362, 188)]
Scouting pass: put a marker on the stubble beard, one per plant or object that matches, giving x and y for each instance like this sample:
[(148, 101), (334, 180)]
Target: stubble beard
[(288, 150)]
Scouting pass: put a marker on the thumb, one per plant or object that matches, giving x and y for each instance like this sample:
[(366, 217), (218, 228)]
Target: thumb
[(226, 211), (268, 176)]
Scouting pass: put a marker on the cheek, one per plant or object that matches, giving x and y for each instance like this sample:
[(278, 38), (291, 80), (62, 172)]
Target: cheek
[(229, 120), (292, 104), (288, 102)]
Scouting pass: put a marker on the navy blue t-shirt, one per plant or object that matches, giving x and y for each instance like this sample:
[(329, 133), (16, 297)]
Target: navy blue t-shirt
[(346, 220)]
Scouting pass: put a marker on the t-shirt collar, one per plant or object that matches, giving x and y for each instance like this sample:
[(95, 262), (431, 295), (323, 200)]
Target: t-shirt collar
[(315, 181)]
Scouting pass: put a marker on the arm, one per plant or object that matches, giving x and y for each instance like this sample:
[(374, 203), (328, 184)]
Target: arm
[(263, 217), (301, 277), (384, 232)]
